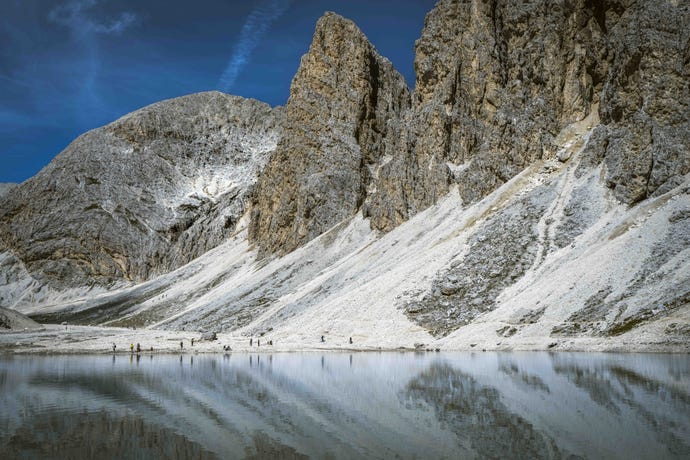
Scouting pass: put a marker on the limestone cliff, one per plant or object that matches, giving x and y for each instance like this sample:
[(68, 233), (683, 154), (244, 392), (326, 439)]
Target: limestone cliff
[(344, 106), (502, 80), (142, 195), (496, 81)]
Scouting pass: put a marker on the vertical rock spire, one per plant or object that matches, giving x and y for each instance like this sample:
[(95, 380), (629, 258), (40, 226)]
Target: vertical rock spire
[(337, 116)]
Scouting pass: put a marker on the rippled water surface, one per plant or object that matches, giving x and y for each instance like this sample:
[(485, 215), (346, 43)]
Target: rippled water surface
[(339, 405)]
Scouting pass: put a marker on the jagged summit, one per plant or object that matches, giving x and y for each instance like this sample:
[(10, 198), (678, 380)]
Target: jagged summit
[(142, 195), (343, 106)]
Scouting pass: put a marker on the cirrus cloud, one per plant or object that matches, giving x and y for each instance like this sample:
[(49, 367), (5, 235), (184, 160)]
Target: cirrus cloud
[(253, 30), (74, 15)]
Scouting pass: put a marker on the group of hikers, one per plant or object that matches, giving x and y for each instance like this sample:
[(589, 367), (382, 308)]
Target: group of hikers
[(138, 349), (225, 347), (131, 348), (258, 342)]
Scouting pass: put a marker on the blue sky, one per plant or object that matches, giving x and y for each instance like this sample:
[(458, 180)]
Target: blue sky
[(67, 66)]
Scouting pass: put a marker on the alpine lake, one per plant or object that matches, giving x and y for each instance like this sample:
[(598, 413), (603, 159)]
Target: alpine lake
[(336, 405)]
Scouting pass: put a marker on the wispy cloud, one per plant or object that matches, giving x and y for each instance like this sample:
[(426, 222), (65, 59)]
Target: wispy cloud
[(255, 27), (74, 15), (83, 21)]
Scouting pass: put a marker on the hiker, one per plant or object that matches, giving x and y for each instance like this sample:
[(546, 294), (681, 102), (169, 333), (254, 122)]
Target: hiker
[(350, 340), (250, 341), (323, 339), (131, 348), (114, 347), (258, 342), (181, 345), (270, 342), (138, 348), (192, 341)]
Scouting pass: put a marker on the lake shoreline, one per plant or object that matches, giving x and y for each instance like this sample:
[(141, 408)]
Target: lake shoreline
[(53, 339)]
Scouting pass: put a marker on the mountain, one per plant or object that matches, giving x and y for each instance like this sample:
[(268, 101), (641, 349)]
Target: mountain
[(143, 195), (531, 192)]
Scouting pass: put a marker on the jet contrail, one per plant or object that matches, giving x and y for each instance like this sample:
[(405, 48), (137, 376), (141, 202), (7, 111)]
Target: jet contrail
[(253, 30)]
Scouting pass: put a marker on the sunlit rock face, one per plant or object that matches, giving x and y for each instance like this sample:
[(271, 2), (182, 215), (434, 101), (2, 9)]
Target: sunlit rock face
[(495, 84), (344, 107), (142, 195), (497, 81)]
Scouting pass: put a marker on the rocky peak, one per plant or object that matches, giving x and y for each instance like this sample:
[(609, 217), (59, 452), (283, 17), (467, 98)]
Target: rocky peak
[(142, 195), (337, 122), (496, 82)]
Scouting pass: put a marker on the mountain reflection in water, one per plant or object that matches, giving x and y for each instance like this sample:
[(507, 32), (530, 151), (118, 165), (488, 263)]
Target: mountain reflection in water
[(339, 405)]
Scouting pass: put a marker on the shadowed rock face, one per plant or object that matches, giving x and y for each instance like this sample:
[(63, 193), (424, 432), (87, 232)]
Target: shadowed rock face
[(142, 195), (337, 126)]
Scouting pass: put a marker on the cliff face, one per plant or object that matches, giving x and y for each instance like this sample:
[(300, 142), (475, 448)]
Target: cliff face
[(645, 100), (143, 195), (496, 81), (345, 102), (501, 82)]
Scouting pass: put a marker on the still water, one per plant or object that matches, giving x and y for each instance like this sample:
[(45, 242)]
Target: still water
[(340, 405)]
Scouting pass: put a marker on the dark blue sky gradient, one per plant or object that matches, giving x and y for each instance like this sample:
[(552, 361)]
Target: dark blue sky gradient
[(67, 66)]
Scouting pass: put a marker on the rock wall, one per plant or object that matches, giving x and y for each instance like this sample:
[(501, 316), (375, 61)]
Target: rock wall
[(645, 101), (495, 83), (345, 101), (143, 195)]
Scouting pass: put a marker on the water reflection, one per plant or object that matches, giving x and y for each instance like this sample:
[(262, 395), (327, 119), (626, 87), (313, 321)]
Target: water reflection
[(475, 413), (384, 405)]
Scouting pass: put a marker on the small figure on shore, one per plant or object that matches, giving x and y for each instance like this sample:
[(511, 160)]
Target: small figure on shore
[(258, 342), (131, 348), (323, 339), (350, 340), (192, 341), (138, 348), (151, 349), (270, 342), (114, 347), (251, 339), (181, 345)]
